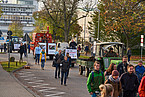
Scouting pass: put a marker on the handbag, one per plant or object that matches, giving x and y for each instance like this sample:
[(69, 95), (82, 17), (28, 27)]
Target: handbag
[(54, 63)]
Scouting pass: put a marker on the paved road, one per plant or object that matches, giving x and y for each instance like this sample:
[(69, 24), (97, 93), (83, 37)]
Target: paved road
[(43, 83)]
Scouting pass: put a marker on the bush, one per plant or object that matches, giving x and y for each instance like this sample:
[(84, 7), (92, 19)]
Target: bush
[(137, 52)]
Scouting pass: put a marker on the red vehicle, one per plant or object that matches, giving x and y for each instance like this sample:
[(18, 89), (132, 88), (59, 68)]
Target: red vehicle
[(45, 41)]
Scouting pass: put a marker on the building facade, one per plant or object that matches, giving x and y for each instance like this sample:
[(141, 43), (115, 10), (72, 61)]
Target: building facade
[(21, 12)]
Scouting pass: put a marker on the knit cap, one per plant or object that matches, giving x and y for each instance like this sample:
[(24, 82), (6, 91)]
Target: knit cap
[(115, 73)]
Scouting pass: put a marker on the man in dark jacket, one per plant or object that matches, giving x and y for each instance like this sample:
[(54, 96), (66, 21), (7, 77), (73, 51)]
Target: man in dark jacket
[(21, 51), (5, 47), (111, 53), (69, 60), (58, 59), (73, 44), (129, 82), (122, 67), (64, 70)]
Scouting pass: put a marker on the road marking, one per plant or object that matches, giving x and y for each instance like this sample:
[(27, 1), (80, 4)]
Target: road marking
[(58, 93), (40, 85), (26, 79), (28, 72), (28, 75), (48, 88), (37, 81)]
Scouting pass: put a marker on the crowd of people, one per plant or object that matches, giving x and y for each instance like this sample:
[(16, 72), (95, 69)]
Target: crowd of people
[(124, 80)]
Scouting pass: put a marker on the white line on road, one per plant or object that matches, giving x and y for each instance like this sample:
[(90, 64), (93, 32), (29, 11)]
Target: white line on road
[(40, 85), (58, 93), (48, 88), (37, 81)]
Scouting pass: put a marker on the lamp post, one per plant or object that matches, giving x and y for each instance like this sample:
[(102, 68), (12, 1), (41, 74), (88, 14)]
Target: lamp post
[(98, 22)]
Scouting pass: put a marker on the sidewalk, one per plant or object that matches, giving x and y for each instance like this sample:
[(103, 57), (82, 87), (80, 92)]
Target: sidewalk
[(9, 87)]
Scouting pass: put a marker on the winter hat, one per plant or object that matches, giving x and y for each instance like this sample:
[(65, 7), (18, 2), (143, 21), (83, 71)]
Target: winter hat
[(115, 73), (140, 61)]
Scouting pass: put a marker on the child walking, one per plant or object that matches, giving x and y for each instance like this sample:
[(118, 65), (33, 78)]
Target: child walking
[(42, 58)]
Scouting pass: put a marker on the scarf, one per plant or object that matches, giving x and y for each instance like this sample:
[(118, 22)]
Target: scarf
[(113, 80), (43, 52)]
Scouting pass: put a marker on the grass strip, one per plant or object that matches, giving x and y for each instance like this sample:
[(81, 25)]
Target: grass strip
[(12, 65)]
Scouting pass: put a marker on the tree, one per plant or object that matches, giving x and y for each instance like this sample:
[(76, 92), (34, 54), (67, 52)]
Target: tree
[(17, 29), (63, 13), (1, 10), (43, 20), (123, 20)]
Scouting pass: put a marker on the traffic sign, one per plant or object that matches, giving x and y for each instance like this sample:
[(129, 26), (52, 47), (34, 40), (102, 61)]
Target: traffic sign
[(142, 36), (9, 32)]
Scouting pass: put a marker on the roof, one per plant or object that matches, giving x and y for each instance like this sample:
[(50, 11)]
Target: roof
[(109, 43)]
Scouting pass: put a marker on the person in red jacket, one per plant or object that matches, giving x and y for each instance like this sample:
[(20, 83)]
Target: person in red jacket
[(141, 89)]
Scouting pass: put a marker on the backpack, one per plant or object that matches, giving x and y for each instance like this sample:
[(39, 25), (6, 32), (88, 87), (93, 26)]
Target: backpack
[(93, 76)]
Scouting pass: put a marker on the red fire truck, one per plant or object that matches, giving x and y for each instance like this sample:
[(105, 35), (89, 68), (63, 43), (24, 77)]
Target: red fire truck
[(45, 41)]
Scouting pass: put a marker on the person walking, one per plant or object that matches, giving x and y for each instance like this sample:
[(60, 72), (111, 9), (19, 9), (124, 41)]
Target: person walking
[(141, 89), (21, 51), (78, 51), (29, 48), (129, 82), (43, 58), (86, 49), (25, 49), (69, 60), (108, 72), (37, 54), (58, 59), (5, 47), (122, 67), (64, 70), (2, 46), (106, 90), (140, 70), (115, 82), (95, 79), (129, 54)]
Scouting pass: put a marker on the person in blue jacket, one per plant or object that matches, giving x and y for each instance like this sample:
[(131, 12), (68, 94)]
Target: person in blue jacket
[(140, 69)]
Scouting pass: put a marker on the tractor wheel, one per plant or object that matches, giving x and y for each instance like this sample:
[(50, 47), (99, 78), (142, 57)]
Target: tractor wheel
[(80, 70), (86, 72)]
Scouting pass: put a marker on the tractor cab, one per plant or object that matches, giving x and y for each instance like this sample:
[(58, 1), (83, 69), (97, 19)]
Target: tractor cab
[(103, 49)]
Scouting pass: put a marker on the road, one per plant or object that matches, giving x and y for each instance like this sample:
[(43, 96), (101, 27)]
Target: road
[(43, 83)]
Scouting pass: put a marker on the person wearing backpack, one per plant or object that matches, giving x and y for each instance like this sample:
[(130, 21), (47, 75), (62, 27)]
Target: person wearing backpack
[(139, 70), (114, 81), (95, 79), (42, 58)]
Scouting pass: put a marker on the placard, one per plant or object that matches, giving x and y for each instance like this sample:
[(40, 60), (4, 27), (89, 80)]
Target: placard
[(72, 53), (51, 48), (16, 46)]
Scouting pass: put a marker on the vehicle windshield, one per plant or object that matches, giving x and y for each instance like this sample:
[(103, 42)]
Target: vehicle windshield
[(15, 40)]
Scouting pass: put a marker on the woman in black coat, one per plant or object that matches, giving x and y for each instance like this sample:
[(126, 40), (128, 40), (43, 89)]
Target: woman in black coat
[(21, 51)]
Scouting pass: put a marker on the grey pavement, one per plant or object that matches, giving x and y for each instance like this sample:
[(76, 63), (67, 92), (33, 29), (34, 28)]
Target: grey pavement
[(9, 87)]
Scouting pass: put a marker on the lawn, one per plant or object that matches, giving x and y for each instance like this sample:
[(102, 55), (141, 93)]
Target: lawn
[(12, 66), (84, 57), (2, 52)]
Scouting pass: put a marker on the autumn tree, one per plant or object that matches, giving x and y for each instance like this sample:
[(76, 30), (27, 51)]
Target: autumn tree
[(62, 13), (123, 20), (17, 29), (43, 20)]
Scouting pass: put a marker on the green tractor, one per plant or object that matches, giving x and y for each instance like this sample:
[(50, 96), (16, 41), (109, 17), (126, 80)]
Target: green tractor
[(87, 64)]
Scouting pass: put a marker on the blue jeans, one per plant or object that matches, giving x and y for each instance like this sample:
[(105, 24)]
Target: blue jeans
[(37, 56), (63, 76), (57, 69), (42, 63), (94, 95)]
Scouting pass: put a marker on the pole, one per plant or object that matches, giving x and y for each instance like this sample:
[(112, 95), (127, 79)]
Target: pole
[(141, 52), (98, 22), (9, 52), (26, 48), (84, 29)]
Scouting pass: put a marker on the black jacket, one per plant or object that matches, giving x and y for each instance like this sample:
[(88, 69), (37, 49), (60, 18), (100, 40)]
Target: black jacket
[(129, 82), (69, 61), (73, 45), (21, 49), (58, 56), (120, 68), (65, 66)]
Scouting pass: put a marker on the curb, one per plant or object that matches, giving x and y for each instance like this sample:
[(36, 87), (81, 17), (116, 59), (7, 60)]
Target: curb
[(29, 90)]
